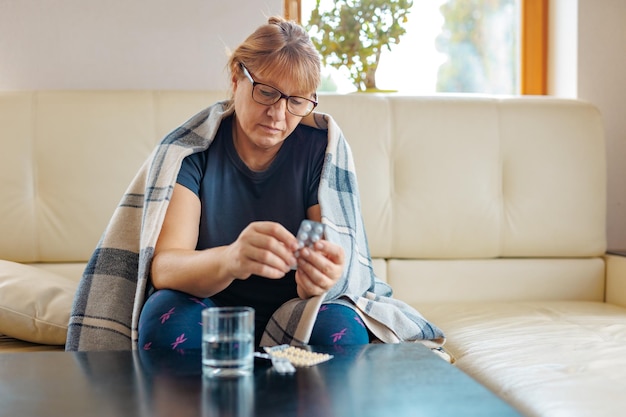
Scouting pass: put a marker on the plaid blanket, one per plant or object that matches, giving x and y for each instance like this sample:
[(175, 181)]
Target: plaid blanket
[(114, 285)]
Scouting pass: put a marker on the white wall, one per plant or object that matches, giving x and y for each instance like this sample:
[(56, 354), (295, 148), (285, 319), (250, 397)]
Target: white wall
[(563, 48), (602, 80), (180, 44), (588, 61), (123, 44)]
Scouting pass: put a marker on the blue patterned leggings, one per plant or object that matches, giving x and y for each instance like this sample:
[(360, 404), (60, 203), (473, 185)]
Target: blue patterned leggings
[(173, 320)]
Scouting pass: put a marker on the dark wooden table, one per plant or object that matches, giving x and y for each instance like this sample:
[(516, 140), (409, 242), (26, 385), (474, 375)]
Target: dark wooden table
[(372, 380)]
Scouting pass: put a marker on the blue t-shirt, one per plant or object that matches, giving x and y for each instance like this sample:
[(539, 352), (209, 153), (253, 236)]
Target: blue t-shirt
[(232, 196)]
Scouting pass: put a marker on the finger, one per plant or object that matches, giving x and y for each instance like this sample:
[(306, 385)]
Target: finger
[(306, 286), (318, 270), (251, 256), (259, 243), (332, 251), (267, 271), (278, 232), (274, 238), (320, 267), (246, 265), (267, 263)]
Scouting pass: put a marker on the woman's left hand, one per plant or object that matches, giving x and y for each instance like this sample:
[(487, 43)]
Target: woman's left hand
[(319, 268)]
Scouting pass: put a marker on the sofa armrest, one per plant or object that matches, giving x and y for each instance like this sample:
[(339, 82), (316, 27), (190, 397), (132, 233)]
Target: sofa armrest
[(616, 278)]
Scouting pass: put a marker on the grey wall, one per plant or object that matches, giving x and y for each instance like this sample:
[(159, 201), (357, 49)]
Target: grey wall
[(602, 81), (123, 44)]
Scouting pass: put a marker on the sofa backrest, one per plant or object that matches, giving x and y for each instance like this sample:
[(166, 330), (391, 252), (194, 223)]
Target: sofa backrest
[(445, 177), (479, 199), (67, 158), (451, 177)]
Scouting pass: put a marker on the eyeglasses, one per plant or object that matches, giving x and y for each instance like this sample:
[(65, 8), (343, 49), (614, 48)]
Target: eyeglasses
[(268, 95)]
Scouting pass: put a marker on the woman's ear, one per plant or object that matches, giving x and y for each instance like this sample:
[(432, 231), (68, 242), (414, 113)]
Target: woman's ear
[(234, 80)]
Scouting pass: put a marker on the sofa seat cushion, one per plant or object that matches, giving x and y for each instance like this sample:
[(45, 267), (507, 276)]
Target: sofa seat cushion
[(559, 358), (35, 304), (11, 344)]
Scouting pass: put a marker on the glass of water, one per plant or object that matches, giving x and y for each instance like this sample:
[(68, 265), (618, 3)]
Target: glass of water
[(227, 341)]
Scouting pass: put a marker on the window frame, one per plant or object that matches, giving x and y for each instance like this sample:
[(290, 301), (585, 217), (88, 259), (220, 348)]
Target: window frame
[(533, 45)]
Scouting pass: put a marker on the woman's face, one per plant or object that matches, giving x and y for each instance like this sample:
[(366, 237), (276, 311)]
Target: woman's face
[(264, 127)]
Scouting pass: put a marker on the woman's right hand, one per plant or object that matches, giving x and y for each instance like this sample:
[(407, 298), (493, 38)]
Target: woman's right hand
[(262, 248)]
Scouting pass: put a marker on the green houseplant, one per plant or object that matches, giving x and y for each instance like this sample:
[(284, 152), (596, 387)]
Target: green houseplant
[(353, 34)]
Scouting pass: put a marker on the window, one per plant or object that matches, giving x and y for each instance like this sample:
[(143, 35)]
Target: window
[(484, 46)]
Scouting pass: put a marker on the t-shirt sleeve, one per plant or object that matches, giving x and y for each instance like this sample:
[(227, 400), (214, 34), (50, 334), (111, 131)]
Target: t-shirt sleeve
[(191, 172), (319, 152)]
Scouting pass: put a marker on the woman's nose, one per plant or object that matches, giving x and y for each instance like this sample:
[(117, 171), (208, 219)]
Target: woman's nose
[(278, 110)]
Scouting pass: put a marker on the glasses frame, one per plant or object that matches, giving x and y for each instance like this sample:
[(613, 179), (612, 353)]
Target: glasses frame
[(282, 95)]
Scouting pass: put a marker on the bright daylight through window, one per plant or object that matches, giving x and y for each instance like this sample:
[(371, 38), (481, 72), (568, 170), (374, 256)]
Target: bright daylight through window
[(449, 46)]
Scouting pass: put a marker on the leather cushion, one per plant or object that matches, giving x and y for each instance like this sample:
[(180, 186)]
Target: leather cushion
[(34, 304)]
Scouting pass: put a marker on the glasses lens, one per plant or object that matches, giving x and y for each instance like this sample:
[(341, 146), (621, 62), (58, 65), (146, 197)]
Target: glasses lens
[(268, 95), (265, 94), (299, 106)]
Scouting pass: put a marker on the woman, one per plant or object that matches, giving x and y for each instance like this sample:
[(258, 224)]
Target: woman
[(228, 235), (210, 220)]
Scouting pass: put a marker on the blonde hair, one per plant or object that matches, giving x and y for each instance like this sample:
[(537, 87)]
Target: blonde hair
[(279, 47)]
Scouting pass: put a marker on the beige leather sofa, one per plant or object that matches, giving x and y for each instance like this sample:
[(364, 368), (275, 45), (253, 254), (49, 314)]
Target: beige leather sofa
[(487, 214)]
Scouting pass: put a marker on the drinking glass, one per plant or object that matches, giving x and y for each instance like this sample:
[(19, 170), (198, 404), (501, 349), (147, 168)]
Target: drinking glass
[(227, 341)]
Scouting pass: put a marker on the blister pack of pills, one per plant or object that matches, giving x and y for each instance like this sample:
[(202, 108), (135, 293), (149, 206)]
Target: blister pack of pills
[(298, 357), (309, 233)]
